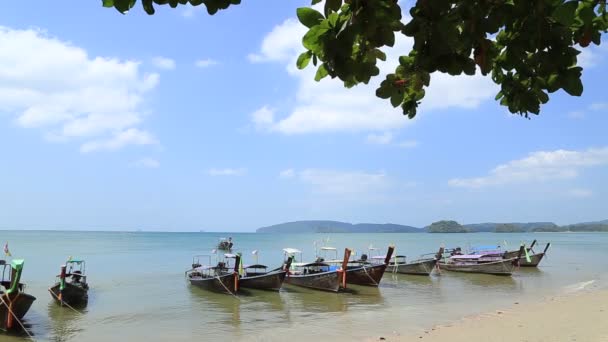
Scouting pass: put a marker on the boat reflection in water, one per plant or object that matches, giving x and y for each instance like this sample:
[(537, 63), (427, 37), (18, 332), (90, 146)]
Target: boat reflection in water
[(299, 299)]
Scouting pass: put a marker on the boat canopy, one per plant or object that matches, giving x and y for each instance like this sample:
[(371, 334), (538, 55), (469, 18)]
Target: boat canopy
[(328, 248), (311, 264), (255, 266), (485, 248), (291, 250), (230, 255), (74, 261), (378, 257), (467, 256)]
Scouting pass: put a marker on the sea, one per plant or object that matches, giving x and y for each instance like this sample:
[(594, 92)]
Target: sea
[(138, 290)]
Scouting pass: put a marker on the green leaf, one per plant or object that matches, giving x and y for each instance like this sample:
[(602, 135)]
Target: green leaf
[(314, 2), (309, 17), (148, 7), (332, 6), (321, 73), (565, 13), (572, 84), (384, 91), (108, 3), (304, 59), (396, 99)]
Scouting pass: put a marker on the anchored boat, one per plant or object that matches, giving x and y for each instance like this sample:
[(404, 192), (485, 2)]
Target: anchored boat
[(257, 276), (71, 287), (531, 258), (316, 275), (422, 266), (225, 244), (488, 263), (14, 302), (219, 278), (364, 271)]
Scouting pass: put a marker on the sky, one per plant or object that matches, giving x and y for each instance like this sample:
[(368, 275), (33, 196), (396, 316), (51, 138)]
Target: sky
[(183, 121)]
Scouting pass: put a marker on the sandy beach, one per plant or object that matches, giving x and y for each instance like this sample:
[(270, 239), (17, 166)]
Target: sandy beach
[(581, 316)]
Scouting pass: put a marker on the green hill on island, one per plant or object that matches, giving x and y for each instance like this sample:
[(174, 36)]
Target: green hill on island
[(446, 227), (337, 227), (443, 226)]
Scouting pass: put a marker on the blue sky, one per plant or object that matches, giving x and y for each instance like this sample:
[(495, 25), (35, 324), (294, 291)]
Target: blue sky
[(182, 121)]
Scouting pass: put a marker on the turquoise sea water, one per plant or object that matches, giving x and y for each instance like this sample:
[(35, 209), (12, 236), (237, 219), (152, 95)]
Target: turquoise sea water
[(139, 293)]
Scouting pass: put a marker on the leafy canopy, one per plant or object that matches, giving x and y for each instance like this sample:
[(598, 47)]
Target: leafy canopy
[(528, 47)]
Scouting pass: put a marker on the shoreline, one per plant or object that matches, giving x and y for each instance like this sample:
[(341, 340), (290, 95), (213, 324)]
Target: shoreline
[(574, 316)]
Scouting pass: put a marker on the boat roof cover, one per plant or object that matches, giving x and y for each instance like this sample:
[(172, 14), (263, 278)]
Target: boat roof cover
[(229, 255), (467, 256), (255, 266), (378, 257), (328, 248), (74, 261), (291, 250), (315, 264), (17, 264), (485, 248)]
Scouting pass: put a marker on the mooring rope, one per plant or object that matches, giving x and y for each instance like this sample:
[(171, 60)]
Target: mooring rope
[(369, 276), (17, 319), (64, 303), (225, 287)]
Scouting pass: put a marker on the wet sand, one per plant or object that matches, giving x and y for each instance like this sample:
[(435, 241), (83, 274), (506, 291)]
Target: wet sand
[(581, 316)]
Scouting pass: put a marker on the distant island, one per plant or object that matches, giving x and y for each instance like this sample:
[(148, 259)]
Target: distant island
[(443, 226)]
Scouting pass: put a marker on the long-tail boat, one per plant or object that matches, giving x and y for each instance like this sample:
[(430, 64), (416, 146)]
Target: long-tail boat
[(491, 263), (422, 266), (219, 278), (71, 287), (364, 272), (531, 258), (14, 302), (257, 276), (317, 275)]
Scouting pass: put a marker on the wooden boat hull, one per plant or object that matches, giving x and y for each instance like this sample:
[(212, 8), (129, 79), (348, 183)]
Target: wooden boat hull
[(21, 303), (422, 267), (368, 275), (271, 281), (534, 258), (72, 295), (325, 281), (224, 283), (502, 267)]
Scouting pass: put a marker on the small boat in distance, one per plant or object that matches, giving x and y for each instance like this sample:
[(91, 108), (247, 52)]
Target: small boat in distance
[(71, 287), (316, 275), (225, 244), (14, 302), (421, 266), (219, 278), (490, 263), (257, 276)]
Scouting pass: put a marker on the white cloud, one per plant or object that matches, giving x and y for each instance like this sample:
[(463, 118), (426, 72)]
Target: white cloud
[(131, 136), (148, 163), (387, 138), (57, 87), (163, 63), (342, 183), (282, 43), (226, 172), (576, 114), (538, 166), (263, 117), (598, 106), (205, 63), (327, 106), (380, 139), (288, 173), (580, 193)]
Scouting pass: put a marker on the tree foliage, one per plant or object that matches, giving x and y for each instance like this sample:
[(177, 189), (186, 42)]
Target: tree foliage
[(508, 228), (528, 47), (447, 227)]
